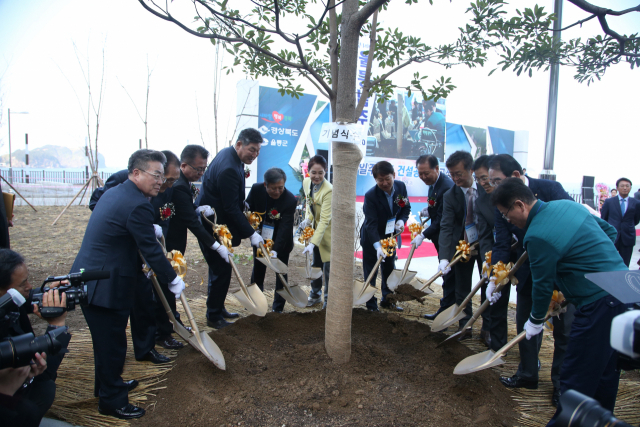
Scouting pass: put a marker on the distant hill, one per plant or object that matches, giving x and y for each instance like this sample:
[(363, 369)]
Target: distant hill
[(52, 156)]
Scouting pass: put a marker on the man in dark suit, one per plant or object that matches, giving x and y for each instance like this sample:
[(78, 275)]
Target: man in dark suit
[(459, 222), (386, 210), (429, 170), (279, 207), (623, 212), (149, 321), (121, 224), (223, 188), (494, 337), (504, 166)]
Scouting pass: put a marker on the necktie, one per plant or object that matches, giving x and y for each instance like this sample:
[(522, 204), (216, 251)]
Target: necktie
[(469, 219), (430, 194), (622, 206)]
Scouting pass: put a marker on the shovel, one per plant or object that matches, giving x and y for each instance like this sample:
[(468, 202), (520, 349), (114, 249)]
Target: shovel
[(251, 297), (274, 264), (309, 272), (201, 341), (292, 294), (486, 302), (362, 292), (489, 358), (400, 277), (421, 286), (454, 313)]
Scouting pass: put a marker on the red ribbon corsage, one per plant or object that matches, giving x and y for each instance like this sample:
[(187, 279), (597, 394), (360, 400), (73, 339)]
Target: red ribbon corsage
[(247, 172), (167, 211), (402, 201), (431, 201), (274, 214)]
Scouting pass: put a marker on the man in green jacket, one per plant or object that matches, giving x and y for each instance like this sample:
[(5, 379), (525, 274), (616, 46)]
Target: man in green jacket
[(565, 242)]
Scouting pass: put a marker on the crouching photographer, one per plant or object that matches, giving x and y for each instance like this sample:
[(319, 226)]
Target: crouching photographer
[(27, 380)]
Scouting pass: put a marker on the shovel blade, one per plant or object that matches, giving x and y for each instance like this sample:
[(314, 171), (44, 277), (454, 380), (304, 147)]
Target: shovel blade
[(275, 264), (478, 362), (360, 295), (212, 351), (316, 272), (394, 280), (255, 302), (182, 332), (296, 296), (446, 318)]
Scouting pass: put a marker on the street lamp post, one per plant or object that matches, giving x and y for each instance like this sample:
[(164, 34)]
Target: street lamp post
[(10, 162)]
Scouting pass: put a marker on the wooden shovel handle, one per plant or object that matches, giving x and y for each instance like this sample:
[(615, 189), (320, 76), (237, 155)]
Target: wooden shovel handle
[(373, 272), (406, 265), (475, 289), (240, 281)]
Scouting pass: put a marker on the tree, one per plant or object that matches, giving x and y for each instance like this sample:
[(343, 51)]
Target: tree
[(145, 119), (325, 53)]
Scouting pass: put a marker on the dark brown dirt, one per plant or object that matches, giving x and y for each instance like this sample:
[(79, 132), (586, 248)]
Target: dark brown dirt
[(278, 373), (406, 292)]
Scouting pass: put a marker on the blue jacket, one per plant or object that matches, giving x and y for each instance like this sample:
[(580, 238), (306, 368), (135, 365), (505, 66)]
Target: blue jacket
[(544, 190), (624, 225), (565, 242), (120, 224), (377, 212), (223, 188), (157, 202)]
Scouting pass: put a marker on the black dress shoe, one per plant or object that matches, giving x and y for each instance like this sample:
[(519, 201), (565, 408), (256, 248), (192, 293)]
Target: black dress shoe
[(389, 306), (131, 384), (154, 357), (485, 337), (125, 413), (218, 324), (466, 335), (517, 382), (373, 309), (170, 343), (430, 316), (227, 315), (555, 399)]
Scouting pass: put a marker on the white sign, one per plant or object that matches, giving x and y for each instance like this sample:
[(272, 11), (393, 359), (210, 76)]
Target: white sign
[(354, 133)]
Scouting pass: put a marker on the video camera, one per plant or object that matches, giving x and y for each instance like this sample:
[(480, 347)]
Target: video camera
[(76, 291), (20, 350), (579, 410)]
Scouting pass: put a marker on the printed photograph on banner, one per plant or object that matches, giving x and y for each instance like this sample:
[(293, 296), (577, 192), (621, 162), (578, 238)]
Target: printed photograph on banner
[(477, 138), (406, 127)]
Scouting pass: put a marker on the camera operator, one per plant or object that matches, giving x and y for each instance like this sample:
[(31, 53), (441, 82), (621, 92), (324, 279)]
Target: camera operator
[(25, 403)]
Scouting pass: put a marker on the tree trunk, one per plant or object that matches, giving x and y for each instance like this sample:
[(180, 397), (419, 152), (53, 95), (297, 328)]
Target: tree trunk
[(346, 158)]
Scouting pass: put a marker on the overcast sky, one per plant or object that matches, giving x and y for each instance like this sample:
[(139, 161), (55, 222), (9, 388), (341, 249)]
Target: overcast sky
[(597, 131)]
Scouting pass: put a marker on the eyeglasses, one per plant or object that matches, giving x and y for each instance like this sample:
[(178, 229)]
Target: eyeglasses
[(457, 175), (158, 178), (170, 181), (504, 215), (495, 182), (482, 179), (199, 170)]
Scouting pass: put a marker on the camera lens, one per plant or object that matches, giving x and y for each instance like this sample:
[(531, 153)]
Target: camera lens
[(579, 410), (18, 351)]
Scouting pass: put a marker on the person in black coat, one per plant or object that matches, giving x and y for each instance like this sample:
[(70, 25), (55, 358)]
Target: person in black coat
[(279, 207), (223, 189), (386, 210), (624, 222), (149, 321), (429, 170), (501, 167), (121, 224)]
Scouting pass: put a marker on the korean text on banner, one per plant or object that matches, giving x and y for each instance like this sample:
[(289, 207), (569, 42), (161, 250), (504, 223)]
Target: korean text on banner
[(353, 133)]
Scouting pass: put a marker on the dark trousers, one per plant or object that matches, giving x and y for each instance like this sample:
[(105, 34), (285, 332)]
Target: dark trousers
[(448, 286), (42, 393), (590, 363), (109, 339), (529, 349), (164, 327), (316, 285), (19, 412), (625, 252), (463, 277), (143, 319), (369, 259), (257, 277), (219, 279), (499, 313)]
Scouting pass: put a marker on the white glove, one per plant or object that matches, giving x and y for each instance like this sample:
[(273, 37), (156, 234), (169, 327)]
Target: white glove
[(177, 286), (424, 212), (492, 296), (309, 249), (399, 226), (158, 231), (304, 224), (532, 329), (222, 251), (380, 253), (418, 240), (206, 209), (443, 267), (246, 206), (274, 254), (149, 273), (256, 239)]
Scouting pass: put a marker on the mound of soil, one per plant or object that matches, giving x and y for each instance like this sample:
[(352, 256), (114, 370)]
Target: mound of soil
[(278, 374), (406, 292)]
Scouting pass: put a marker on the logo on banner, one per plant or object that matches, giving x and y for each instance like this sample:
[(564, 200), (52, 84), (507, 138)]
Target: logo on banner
[(263, 129), (265, 141), (277, 118)]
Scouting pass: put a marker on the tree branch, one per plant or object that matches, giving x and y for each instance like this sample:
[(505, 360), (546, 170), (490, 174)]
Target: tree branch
[(367, 10), (366, 84)]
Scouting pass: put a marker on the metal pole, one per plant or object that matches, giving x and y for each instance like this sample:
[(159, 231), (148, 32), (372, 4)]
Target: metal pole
[(552, 108), (10, 169), (26, 154)]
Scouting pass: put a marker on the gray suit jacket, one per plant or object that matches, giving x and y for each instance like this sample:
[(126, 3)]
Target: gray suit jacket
[(486, 219), (454, 212)]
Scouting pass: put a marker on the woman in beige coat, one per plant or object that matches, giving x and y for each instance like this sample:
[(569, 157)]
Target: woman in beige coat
[(317, 191)]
